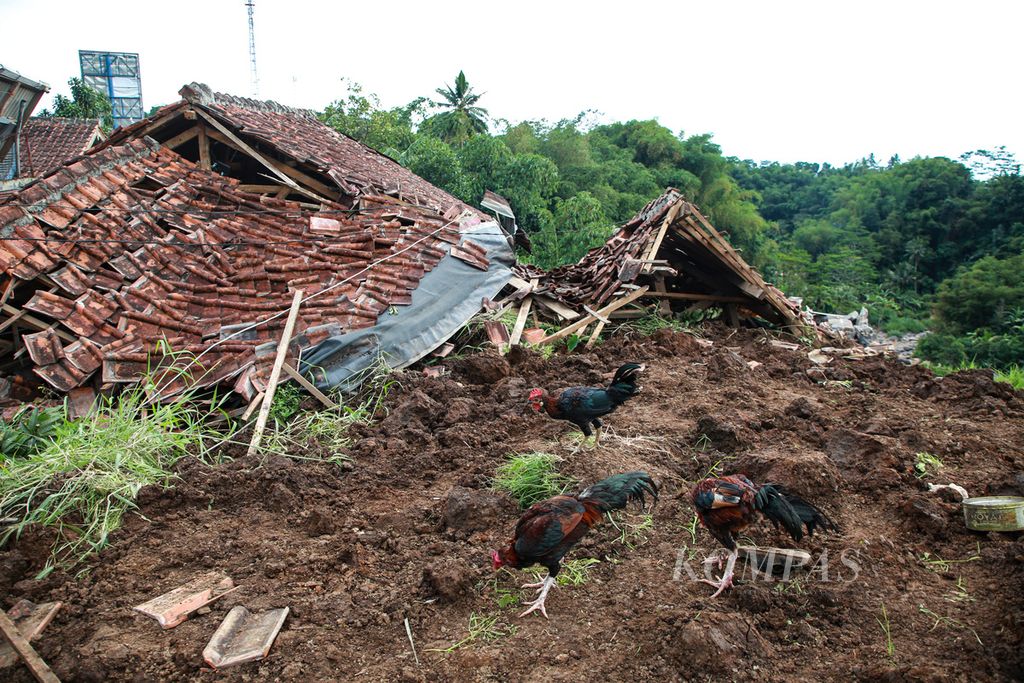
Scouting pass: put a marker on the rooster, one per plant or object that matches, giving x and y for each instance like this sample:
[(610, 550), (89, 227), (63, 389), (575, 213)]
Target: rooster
[(584, 406), (727, 505), (550, 528)]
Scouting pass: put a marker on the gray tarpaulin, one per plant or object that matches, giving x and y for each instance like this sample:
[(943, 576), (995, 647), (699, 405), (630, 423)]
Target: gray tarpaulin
[(446, 298)]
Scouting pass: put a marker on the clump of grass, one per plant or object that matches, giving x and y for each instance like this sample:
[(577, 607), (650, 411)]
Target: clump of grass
[(948, 622), (926, 465), (329, 428), (890, 646), (30, 430), (572, 573), (1014, 376), (87, 477), (484, 628), (287, 398), (531, 477), (631, 535), (941, 566), (649, 324)]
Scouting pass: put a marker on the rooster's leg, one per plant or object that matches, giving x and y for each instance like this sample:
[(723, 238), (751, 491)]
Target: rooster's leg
[(538, 604), (726, 580)]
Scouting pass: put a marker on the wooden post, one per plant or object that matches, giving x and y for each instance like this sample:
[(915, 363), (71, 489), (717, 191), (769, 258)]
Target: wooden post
[(597, 333), (33, 661), (275, 374), (517, 329), (204, 149)]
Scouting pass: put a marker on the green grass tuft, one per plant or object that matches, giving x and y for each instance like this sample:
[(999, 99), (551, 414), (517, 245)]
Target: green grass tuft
[(1014, 376), (531, 477), (84, 481), (572, 573), (482, 628), (926, 465)]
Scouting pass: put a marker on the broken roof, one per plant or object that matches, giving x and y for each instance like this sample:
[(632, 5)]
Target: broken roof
[(18, 97), (48, 142), (132, 257), (293, 141), (671, 247)]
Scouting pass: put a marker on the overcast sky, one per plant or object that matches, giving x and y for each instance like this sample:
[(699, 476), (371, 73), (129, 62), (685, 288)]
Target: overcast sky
[(784, 81)]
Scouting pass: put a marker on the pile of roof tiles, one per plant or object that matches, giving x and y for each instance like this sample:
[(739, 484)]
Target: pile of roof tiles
[(132, 259), (671, 245)]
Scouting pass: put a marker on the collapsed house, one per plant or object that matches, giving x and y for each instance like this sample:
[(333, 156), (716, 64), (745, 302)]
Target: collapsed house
[(133, 258), (172, 250), (669, 255)]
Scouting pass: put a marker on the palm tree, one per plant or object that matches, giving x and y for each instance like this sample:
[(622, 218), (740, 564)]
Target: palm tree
[(463, 119)]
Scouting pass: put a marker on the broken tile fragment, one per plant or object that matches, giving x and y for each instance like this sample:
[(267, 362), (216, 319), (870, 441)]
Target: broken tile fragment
[(534, 335), (173, 607), (244, 636)]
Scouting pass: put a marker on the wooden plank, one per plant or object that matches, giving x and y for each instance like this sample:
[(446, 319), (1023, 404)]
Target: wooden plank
[(594, 336), (597, 315), (275, 374), (252, 406), (181, 138), (308, 386), (8, 291), (665, 307), (613, 306), (32, 321), (257, 156), (204, 148), (687, 296), (558, 308), (33, 661), (732, 315), (260, 189), (278, 168), (656, 245), (524, 311)]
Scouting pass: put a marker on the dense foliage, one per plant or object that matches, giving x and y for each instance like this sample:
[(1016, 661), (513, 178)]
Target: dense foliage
[(910, 240)]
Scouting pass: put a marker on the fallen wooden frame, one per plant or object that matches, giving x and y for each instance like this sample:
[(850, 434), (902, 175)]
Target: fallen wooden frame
[(40, 671), (580, 324)]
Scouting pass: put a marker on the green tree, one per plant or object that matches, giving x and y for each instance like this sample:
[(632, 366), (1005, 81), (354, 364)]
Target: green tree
[(983, 295), (579, 224), (85, 103), (462, 118), (436, 162), (359, 116)]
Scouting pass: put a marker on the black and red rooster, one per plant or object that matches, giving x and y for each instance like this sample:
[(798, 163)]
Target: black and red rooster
[(728, 505), (584, 406), (550, 528)]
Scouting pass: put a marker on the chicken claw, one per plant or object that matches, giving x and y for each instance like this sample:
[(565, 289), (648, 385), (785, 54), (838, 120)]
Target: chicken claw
[(538, 604)]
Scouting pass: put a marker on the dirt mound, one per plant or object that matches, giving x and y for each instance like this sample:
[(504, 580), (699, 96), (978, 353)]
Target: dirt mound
[(403, 532)]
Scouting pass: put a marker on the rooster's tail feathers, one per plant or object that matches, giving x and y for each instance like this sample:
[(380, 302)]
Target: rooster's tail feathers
[(615, 492), (623, 384), (791, 511)]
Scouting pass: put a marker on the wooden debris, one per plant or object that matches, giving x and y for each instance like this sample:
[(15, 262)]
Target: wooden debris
[(275, 374), (308, 386), (579, 325), (30, 619), (173, 607), (33, 661), (244, 637), (557, 307)]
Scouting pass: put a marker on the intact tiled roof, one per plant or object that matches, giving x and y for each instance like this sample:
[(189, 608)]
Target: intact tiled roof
[(130, 251), (48, 142), (297, 133)]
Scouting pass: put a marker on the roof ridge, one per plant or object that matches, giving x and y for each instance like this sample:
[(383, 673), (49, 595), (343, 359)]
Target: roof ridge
[(203, 95)]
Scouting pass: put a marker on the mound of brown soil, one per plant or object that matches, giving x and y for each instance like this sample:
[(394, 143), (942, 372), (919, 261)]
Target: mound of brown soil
[(404, 533)]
